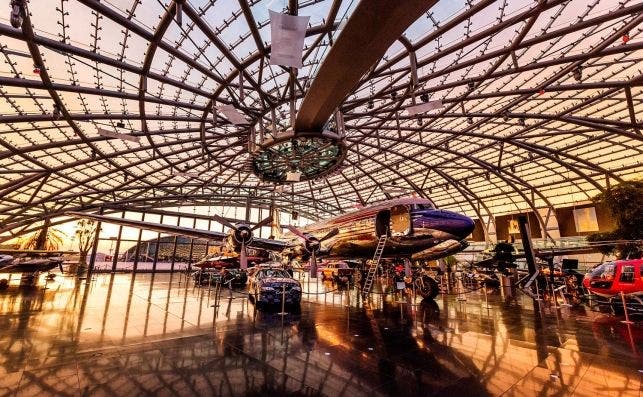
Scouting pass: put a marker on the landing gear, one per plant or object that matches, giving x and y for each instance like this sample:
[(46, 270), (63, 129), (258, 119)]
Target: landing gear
[(426, 286)]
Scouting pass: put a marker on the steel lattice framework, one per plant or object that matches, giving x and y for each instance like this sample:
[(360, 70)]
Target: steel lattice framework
[(540, 105)]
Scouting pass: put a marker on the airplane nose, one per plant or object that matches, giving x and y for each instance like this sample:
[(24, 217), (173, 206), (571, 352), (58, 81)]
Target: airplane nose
[(467, 226), (457, 224)]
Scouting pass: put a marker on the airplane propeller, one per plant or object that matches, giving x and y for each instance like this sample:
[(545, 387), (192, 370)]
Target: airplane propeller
[(242, 235), (313, 245)]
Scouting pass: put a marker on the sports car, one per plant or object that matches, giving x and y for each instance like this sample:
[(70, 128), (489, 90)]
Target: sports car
[(269, 285)]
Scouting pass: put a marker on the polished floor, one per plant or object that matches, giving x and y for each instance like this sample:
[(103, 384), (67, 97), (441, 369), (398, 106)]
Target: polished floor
[(160, 335)]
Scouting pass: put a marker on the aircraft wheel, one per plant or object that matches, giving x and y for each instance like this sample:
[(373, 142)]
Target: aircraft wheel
[(427, 287)]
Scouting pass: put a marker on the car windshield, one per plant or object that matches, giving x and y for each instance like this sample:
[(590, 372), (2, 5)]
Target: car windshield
[(606, 270), (273, 273)]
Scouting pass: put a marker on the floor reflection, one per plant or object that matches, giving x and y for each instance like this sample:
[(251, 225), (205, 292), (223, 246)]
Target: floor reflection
[(146, 334)]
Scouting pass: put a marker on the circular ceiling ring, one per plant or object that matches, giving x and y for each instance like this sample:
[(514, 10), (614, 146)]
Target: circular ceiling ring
[(301, 156)]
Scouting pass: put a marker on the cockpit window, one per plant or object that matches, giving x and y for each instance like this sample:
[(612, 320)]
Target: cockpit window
[(422, 206), (627, 274), (606, 270)]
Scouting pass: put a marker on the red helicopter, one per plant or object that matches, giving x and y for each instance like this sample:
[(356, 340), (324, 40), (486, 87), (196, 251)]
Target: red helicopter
[(609, 279)]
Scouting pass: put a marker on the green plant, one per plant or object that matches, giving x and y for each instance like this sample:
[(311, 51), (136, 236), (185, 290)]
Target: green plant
[(47, 238), (625, 204), (85, 233), (450, 261)]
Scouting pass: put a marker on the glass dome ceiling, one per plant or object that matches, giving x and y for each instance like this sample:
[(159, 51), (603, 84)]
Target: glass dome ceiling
[(540, 105)]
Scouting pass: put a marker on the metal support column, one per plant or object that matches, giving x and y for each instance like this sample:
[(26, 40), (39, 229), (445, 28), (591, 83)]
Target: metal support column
[(191, 246), (92, 260), (137, 251), (158, 248), (178, 223), (118, 245), (525, 235)]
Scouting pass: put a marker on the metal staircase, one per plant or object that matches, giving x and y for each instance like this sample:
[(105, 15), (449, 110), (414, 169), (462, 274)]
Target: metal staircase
[(374, 263)]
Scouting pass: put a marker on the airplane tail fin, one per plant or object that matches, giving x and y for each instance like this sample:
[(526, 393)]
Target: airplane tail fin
[(275, 225)]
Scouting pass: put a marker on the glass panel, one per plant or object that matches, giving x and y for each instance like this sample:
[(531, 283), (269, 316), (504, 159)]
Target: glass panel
[(627, 274)]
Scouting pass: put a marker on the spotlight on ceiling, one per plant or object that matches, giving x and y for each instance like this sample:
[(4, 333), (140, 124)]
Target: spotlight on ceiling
[(371, 104), (521, 121), (424, 97), (16, 13), (471, 85), (470, 120)]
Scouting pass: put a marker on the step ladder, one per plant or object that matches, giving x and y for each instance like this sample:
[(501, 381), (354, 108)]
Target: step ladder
[(374, 263)]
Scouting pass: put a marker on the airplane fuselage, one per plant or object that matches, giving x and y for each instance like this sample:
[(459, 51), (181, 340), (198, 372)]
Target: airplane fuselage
[(414, 228)]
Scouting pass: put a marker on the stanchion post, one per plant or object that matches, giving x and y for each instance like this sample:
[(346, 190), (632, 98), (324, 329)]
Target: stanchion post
[(553, 296), (209, 281), (414, 296), (486, 300), (562, 295), (538, 298), (460, 289), (627, 316), (283, 300)]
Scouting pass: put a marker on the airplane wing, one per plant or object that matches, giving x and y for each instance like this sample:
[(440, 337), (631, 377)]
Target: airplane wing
[(273, 245), (35, 252), (269, 244), (548, 253)]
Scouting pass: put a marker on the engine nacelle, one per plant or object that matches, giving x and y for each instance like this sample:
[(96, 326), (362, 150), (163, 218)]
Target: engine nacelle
[(236, 238), (297, 252)]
